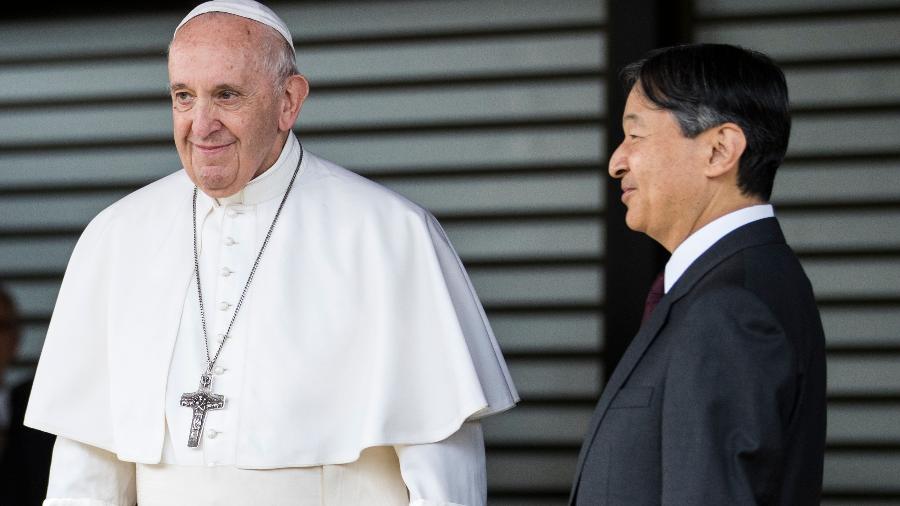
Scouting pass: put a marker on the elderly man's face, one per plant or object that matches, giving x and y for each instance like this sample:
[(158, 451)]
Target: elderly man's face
[(225, 108), (661, 172)]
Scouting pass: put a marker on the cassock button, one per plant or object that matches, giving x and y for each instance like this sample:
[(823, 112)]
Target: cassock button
[(223, 306), (218, 370), (229, 241), (211, 434), (226, 271)]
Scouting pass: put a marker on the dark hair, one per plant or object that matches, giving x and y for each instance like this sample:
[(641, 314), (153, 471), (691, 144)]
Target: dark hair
[(706, 85)]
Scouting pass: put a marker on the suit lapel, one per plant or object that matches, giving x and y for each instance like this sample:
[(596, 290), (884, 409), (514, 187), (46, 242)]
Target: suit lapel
[(642, 340), (765, 231)]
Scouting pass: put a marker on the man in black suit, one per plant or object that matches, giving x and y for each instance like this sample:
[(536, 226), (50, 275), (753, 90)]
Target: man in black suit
[(24, 452), (9, 343), (720, 397)]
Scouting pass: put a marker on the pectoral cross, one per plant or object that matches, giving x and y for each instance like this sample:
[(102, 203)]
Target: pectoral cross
[(201, 401)]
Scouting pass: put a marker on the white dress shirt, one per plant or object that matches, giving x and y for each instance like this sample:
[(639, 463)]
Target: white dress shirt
[(697, 243)]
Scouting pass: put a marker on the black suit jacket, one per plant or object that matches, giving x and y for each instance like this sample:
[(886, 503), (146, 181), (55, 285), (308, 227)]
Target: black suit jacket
[(720, 397), (25, 462)]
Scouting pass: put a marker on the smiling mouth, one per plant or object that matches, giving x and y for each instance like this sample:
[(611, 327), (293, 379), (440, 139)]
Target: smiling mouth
[(211, 150)]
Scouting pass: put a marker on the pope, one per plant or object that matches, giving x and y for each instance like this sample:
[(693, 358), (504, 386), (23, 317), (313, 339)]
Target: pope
[(263, 326)]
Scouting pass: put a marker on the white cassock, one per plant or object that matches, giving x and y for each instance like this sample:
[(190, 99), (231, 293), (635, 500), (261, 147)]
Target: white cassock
[(355, 373)]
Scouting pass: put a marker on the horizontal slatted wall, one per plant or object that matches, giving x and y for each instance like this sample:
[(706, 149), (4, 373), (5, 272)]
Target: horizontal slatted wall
[(838, 197), (488, 112)]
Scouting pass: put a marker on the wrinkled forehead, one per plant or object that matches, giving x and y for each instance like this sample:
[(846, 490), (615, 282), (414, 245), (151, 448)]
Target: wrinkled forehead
[(223, 29), (212, 52), (247, 9), (220, 43)]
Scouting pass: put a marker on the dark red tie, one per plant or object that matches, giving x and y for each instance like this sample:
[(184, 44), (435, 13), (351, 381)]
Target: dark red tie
[(657, 290)]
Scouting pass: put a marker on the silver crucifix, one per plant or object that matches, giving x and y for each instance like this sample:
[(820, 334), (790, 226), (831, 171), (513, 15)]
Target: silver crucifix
[(201, 401)]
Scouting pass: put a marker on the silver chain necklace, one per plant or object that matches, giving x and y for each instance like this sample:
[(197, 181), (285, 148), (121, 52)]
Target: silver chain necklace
[(204, 400)]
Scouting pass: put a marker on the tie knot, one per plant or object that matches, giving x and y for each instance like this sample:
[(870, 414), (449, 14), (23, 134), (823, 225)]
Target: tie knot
[(657, 290)]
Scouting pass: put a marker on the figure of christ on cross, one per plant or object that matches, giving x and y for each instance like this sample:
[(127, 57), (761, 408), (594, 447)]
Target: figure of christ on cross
[(201, 401)]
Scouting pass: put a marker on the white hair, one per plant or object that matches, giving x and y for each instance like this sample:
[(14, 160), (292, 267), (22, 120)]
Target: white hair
[(278, 59)]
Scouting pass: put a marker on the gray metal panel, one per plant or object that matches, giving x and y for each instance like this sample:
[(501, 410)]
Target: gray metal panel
[(352, 63), (539, 425), (532, 239), (553, 191), (842, 86), (509, 102), (509, 124), (561, 284), (531, 471), (860, 278), (843, 213), (498, 147), (34, 297), (861, 326), (54, 210), (863, 374), (537, 333), (38, 168), (419, 59), (839, 180), (88, 36), (307, 21), (846, 230), (498, 101), (863, 424), (536, 377), (875, 472), (83, 80), (836, 133), (811, 38), (34, 254), (721, 7), (32, 340)]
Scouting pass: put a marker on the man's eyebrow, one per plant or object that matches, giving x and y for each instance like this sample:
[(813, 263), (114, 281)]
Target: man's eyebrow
[(227, 86), (218, 87), (632, 117)]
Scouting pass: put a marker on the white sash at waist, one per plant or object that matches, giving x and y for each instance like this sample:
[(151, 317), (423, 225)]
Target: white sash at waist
[(373, 480)]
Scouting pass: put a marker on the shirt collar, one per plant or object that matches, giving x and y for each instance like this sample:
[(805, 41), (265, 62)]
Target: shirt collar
[(697, 243), (266, 186), (271, 183)]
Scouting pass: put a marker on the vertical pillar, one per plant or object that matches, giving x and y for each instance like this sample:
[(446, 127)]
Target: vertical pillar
[(632, 259)]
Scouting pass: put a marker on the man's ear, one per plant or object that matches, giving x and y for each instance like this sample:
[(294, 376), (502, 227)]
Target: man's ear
[(726, 143), (296, 89)]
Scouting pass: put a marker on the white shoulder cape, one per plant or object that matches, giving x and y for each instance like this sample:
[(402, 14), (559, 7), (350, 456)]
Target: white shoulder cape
[(371, 333)]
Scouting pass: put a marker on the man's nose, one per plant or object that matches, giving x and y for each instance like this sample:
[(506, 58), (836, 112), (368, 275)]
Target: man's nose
[(618, 163), (206, 120)]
